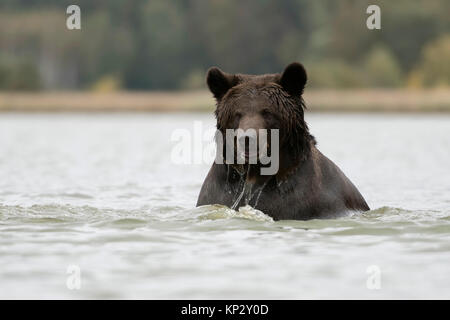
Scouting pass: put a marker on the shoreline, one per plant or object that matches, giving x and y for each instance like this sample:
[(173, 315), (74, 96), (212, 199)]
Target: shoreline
[(355, 100)]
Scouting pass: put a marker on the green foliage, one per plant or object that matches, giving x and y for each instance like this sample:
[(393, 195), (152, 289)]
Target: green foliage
[(333, 73), (194, 80), (434, 69), (167, 44), (408, 25), (382, 69), (107, 83), (19, 75), (157, 61)]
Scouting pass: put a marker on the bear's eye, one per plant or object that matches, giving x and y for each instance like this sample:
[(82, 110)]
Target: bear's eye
[(266, 113)]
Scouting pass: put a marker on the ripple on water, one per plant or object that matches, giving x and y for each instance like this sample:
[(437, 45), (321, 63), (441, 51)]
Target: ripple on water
[(381, 221), (215, 212)]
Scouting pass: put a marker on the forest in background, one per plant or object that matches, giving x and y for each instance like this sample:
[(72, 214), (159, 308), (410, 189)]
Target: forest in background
[(168, 45)]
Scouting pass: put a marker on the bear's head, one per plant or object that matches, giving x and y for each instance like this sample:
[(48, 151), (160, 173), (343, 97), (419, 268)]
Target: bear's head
[(270, 101)]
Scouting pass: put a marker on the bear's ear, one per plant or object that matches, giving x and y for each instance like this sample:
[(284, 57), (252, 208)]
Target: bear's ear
[(293, 79), (219, 82)]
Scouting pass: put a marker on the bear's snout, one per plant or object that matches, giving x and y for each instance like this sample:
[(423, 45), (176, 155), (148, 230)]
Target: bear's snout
[(247, 141), (254, 122), (248, 137)]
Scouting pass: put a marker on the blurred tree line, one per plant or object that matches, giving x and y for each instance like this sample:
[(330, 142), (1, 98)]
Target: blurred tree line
[(169, 44)]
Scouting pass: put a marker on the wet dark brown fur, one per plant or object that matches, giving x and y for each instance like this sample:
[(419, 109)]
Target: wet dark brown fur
[(307, 185)]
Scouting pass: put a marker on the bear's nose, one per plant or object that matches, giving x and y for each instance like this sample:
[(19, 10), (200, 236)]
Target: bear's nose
[(248, 138)]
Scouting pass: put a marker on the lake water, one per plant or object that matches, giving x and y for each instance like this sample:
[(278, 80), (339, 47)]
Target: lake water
[(98, 198)]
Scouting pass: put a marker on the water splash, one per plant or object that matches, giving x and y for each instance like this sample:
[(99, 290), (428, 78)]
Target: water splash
[(247, 188), (238, 200), (216, 212)]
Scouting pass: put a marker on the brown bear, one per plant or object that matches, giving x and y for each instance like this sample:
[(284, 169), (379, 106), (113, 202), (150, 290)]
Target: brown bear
[(307, 184)]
